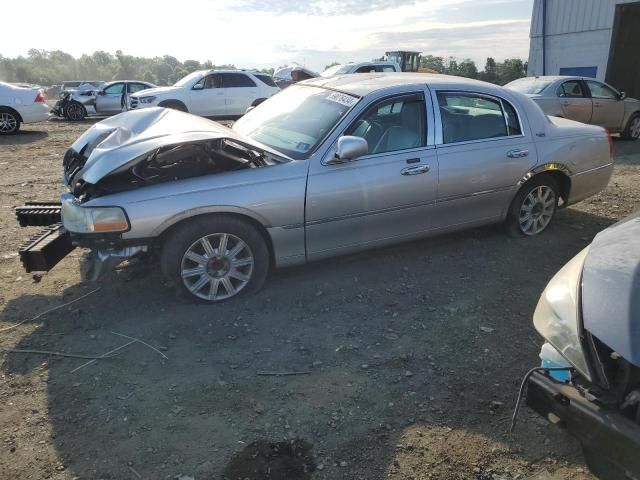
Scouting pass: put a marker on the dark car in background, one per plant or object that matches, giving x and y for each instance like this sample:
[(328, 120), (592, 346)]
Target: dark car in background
[(589, 314)]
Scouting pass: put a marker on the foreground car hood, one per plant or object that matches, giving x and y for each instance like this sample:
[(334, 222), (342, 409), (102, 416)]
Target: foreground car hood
[(611, 288), (116, 141)]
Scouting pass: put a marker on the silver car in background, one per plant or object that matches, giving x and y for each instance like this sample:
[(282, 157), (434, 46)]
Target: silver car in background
[(584, 100), (323, 168)]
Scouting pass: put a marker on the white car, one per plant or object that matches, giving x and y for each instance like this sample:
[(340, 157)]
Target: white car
[(20, 105), (211, 93), (362, 67)]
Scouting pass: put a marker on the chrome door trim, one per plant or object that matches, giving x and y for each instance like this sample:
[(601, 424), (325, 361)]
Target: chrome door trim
[(369, 213)]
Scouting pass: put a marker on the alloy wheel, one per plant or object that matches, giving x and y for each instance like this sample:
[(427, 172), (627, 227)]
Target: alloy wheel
[(74, 112), (8, 122), (537, 210), (217, 266), (634, 128)]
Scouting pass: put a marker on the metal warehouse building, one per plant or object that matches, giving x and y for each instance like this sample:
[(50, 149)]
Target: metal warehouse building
[(592, 38)]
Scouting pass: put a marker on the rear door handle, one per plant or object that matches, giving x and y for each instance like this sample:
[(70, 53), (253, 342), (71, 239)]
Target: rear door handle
[(518, 153), (566, 103), (416, 170)]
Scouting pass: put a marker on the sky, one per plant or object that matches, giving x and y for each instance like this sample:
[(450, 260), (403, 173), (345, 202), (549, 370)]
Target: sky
[(270, 33)]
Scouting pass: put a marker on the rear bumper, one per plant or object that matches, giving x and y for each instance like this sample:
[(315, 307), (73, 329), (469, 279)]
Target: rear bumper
[(587, 184), (606, 431), (38, 112)]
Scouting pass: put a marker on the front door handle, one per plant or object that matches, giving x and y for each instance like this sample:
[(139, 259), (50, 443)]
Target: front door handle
[(566, 103), (518, 153), (417, 170)]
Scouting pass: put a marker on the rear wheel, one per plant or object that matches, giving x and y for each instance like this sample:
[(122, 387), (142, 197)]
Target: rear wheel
[(213, 259), (632, 132), (75, 112), (534, 207), (9, 122)]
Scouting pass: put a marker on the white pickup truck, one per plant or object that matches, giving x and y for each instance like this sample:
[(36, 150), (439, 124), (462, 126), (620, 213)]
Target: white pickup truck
[(211, 93)]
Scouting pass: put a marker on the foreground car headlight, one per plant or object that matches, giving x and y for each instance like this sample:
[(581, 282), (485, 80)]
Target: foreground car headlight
[(150, 99), (556, 316), (78, 219)]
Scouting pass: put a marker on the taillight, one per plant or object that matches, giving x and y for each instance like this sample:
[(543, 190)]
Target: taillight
[(610, 138), (39, 97)]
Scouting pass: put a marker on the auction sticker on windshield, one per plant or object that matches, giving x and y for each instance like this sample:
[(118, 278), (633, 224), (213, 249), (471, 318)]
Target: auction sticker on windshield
[(342, 99)]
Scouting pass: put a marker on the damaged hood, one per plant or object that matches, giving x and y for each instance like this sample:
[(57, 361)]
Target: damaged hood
[(118, 140), (611, 288)]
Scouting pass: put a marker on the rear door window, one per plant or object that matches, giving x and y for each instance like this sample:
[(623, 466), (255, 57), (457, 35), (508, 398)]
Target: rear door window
[(469, 116), (266, 79), (571, 89), (236, 80)]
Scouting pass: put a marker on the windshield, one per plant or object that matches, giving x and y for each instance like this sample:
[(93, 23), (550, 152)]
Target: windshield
[(296, 119), (184, 81), (335, 70), (529, 85)]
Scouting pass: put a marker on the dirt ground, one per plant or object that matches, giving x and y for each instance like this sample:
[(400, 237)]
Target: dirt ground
[(409, 357)]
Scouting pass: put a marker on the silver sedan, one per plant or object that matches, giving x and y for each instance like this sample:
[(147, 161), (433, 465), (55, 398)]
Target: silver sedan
[(584, 100), (323, 168)]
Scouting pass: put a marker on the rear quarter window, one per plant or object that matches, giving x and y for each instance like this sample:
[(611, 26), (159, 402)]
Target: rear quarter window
[(266, 79)]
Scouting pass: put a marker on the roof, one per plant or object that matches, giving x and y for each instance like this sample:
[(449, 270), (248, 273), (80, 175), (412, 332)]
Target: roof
[(366, 83)]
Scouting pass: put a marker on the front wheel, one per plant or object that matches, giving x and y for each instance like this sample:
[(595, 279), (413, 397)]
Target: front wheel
[(213, 259), (75, 112), (9, 122), (534, 207), (632, 132)]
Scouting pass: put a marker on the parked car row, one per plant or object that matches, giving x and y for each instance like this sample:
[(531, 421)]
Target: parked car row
[(112, 98), (584, 100)]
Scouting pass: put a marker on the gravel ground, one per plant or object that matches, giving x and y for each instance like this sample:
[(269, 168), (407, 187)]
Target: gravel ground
[(409, 358)]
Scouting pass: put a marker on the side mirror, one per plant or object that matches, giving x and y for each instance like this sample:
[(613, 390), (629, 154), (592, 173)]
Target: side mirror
[(349, 148), (622, 95), (198, 86)]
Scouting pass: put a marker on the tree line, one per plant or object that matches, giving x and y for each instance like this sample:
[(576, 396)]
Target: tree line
[(43, 67), (494, 72)]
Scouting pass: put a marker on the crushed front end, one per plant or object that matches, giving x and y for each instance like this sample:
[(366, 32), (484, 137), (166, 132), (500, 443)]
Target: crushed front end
[(155, 150)]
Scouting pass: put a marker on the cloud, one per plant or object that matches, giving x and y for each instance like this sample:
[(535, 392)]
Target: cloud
[(320, 7)]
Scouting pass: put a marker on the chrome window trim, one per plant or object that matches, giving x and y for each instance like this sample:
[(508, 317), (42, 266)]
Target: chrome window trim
[(439, 140)]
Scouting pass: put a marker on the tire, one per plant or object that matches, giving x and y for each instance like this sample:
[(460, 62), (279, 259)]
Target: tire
[(602, 467), (201, 273), (632, 132), (174, 105), (9, 122), (75, 112), (538, 198)]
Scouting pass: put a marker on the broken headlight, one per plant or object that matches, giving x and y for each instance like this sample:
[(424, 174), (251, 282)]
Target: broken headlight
[(79, 219), (557, 315)]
